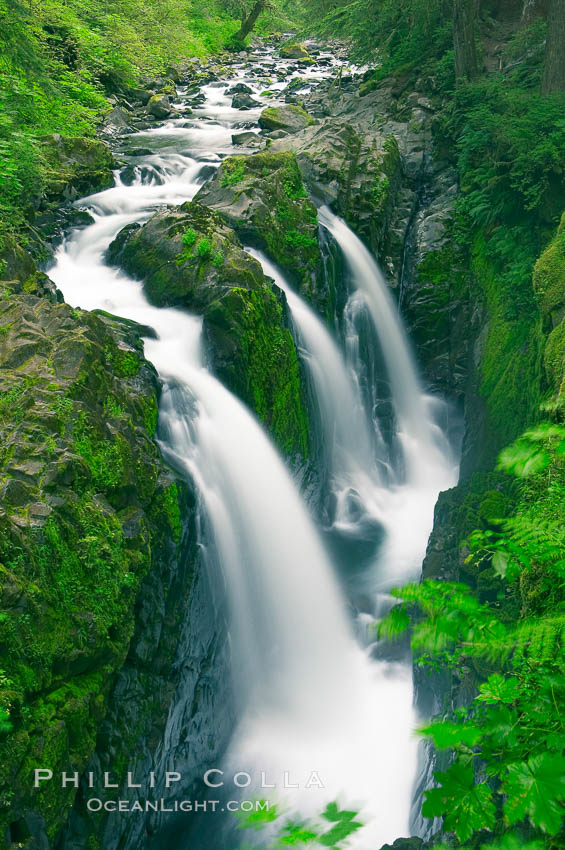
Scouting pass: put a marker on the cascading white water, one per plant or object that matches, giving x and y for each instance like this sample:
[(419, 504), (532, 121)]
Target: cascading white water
[(355, 452), (424, 444), (315, 701)]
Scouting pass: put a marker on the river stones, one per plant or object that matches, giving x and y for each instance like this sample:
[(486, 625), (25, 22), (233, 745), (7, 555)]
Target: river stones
[(240, 88), (248, 140), (290, 118), (142, 95)]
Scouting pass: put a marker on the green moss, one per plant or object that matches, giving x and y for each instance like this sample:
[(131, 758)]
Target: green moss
[(549, 275), (554, 359), (189, 237), (125, 364), (168, 502), (378, 172), (273, 117), (289, 232), (264, 369), (76, 539), (233, 171), (204, 249), (511, 359)]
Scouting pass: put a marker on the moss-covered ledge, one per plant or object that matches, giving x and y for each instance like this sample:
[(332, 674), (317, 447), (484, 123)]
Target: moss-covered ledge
[(549, 286), (262, 196), (189, 257), (87, 507)]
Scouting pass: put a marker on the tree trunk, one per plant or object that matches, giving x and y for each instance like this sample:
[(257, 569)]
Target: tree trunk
[(248, 24), (465, 14), (554, 68)]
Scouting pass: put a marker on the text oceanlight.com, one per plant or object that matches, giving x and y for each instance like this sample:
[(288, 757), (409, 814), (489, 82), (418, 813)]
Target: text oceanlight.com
[(133, 806)]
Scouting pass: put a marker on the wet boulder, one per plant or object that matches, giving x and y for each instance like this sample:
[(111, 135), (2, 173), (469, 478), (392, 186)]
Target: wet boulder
[(240, 88), (248, 140), (295, 50), (159, 106), (244, 101), (291, 118), (77, 166), (140, 94), (189, 257)]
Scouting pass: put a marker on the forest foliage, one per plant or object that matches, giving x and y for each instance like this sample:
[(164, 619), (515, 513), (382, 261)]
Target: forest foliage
[(59, 62), (507, 769)]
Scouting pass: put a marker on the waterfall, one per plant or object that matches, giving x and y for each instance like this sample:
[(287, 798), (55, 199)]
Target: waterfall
[(423, 442), (313, 700), (355, 453), (310, 697)]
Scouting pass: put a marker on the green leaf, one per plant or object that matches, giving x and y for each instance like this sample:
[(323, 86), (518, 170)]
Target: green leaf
[(523, 459), (499, 688), (536, 788), (448, 735), (500, 562), (296, 834), (466, 807), (395, 623)]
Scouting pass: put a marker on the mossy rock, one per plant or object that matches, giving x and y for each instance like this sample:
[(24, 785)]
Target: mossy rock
[(549, 278), (84, 519), (358, 174), (189, 257), (295, 50), (75, 166), (511, 381), (554, 359), (254, 354), (290, 118), (263, 198)]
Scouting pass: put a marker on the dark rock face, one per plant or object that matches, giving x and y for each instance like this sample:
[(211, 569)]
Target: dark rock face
[(188, 256), (406, 844), (88, 511), (357, 173), (175, 683)]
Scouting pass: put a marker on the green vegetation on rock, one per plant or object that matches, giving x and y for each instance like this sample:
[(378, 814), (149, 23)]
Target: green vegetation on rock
[(506, 776), (262, 196), (291, 118), (87, 507), (189, 257)]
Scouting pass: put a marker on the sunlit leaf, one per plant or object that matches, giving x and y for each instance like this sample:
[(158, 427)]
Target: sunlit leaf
[(536, 789)]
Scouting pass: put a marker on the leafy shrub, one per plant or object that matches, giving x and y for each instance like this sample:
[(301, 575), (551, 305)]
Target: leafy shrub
[(508, 768)]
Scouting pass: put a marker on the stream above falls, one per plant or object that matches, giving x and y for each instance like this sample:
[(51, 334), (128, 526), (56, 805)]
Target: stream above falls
[(314, 690)]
